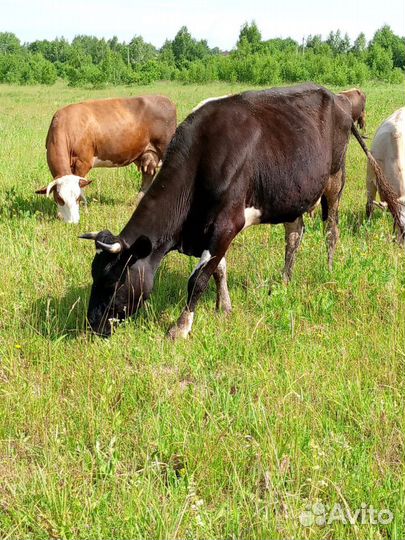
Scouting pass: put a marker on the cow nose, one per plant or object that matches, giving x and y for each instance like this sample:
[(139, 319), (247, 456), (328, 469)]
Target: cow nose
[(74, 220), (100, 327), (103, 330)]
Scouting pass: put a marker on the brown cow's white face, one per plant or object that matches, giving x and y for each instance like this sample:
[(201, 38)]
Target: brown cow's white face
[(68, 192)]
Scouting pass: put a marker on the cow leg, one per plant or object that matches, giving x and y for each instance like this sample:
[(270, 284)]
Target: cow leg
[(371, 191), (397, 230), (293, 236), (223, 298), (147, 180), (332, 194), (225, 231), (311, 212), (147, 164)]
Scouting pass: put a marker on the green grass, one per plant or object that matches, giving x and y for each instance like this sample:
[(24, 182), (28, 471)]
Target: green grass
[(296, 398)]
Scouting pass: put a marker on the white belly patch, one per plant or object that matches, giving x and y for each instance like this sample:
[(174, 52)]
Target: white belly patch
[(252, 217)]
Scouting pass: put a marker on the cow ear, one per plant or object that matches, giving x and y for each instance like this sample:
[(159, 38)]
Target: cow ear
[(141, 248), (83, 182)]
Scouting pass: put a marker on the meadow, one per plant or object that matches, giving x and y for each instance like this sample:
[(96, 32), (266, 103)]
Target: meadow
[(297, 398)]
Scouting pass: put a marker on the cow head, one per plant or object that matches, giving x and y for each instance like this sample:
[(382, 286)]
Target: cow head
[(122, 279), (67, 192), (361, 121)]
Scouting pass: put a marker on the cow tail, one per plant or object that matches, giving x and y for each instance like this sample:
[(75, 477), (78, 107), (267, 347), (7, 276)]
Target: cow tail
[(382, 183)]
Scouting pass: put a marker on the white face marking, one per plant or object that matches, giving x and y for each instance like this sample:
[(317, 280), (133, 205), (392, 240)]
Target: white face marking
[(68, 189), (202, 103), (103, 163), (252, 217)]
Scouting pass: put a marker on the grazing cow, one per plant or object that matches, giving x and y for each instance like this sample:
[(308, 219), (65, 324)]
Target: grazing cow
[(357, 99), (255, 157), (105, 133), (389, 150)]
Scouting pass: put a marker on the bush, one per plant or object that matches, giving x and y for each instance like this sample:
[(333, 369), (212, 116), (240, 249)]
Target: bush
[(44, 72), (26, 68), (86, 75), (381, 62), (397, 76), (89, 61), (294, 69)]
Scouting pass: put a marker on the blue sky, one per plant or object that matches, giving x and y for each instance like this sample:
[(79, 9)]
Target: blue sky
[(218, 21)]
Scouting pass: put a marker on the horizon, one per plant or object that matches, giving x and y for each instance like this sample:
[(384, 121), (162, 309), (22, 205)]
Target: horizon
[(202, 24)]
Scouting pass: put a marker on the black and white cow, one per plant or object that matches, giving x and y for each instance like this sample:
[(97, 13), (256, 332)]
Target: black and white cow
[(255, 157)]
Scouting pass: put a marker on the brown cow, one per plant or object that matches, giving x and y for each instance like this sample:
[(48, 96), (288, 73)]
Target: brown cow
[(105, 133), (358, 100)]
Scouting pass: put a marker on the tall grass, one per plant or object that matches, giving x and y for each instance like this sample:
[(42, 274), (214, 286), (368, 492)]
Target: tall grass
[(296, 398)]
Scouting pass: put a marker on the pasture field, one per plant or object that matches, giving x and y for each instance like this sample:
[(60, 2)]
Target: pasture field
[(295, 399)]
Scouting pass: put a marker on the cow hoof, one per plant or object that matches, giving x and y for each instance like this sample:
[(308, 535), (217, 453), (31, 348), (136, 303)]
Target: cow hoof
[(286, 278), (225, 307), (183, 326), (177, 332), (224, 303)]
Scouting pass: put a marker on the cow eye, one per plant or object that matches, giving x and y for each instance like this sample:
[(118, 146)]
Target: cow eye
[(58, 198)]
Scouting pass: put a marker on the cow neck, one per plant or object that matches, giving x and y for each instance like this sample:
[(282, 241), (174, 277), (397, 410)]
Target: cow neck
[(162, 211), (58, 153)]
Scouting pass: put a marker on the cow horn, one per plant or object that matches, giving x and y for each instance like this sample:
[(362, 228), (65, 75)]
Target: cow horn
[(89, 236), (111, 248), (49, 187)]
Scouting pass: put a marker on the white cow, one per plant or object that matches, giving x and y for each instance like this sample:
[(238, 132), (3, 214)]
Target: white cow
[(389, 150)]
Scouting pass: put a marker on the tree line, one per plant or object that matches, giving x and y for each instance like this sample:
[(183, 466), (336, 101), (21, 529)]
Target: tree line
[(90, 61)]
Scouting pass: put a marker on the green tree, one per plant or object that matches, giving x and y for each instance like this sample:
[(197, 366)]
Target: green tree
[(279, 45), (338, 44), (166, 54), (249, 38), (386, 39), (140, 52), (186, 49), (91, 46), (380, 61), (314, 43), (54, 51), (9, 43), (360, 44)]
